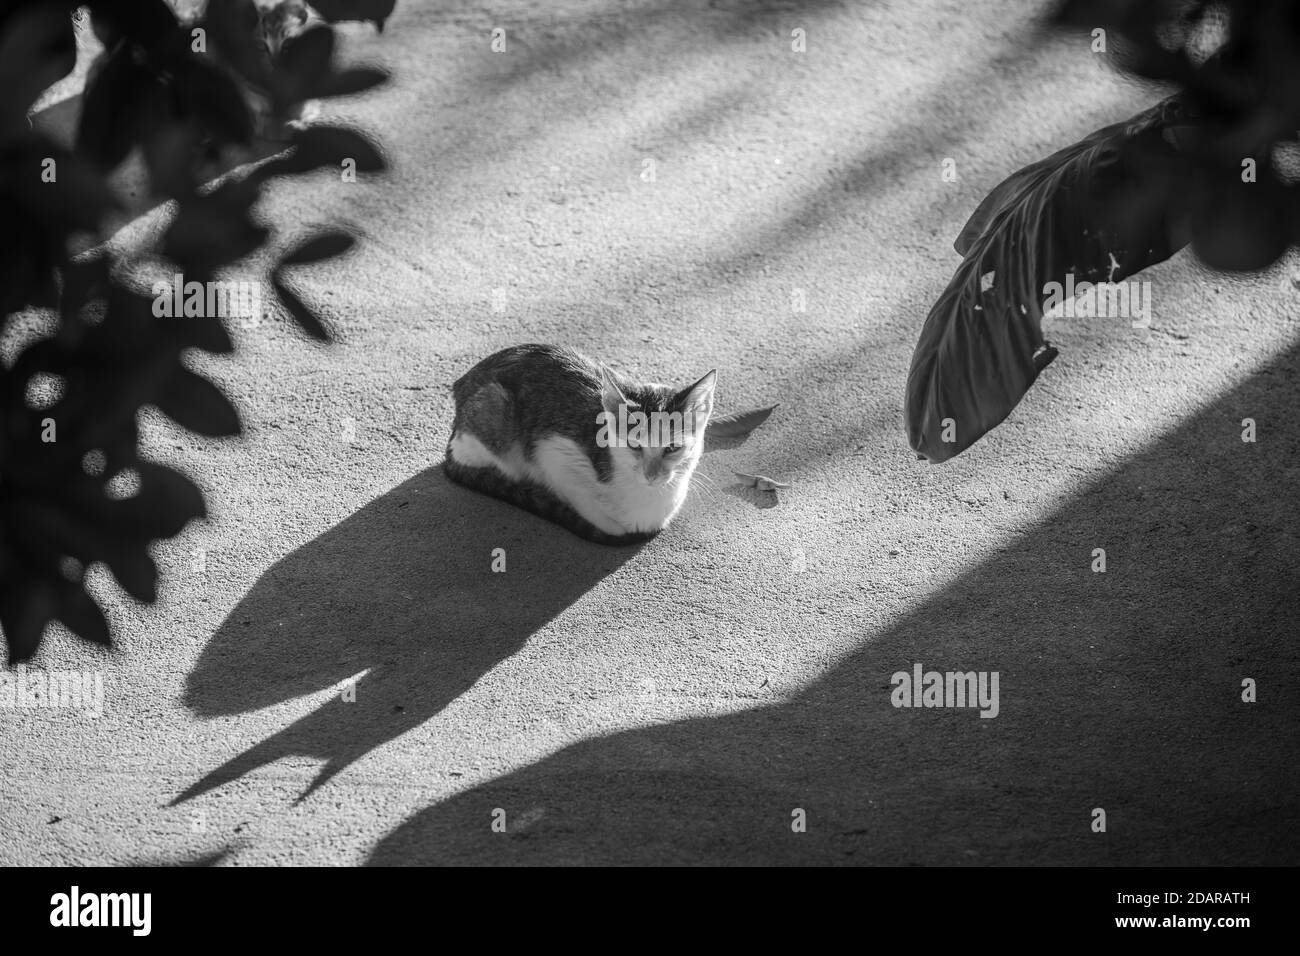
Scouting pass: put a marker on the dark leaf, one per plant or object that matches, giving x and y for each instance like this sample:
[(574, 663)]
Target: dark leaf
[(1098, 211), (1169, 116), (739, 423)]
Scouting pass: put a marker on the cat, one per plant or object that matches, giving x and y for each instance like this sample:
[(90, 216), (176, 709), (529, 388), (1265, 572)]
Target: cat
[(537, 426)]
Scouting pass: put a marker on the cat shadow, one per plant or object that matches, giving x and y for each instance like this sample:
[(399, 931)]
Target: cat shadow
[(398, 607), (211, 858), (1120, 691)]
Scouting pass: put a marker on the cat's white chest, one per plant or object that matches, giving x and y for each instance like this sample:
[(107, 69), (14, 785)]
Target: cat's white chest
[(622, 505), (644, 508)]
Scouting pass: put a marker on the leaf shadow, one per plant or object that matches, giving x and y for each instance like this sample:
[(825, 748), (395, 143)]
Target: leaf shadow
[(714, 443)]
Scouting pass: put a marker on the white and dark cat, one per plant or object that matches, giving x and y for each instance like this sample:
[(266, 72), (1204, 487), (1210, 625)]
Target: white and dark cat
[(528, 430)]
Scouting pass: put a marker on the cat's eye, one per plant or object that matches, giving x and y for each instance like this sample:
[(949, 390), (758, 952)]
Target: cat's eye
[(674, 449)]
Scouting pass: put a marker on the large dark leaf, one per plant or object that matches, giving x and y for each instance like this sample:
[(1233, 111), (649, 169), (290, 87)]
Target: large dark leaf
[(1100, 210)]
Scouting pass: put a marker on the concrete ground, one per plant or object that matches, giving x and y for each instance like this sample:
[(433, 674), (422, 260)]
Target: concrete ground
[(678, 702)]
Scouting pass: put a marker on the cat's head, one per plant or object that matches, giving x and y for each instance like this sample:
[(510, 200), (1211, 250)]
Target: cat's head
[(658, 430)]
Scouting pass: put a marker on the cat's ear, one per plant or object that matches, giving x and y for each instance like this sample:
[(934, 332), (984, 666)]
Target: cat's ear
[(611, 395), (699, 396)]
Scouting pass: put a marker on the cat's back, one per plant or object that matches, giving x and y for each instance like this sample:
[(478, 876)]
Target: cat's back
[(533, 374)]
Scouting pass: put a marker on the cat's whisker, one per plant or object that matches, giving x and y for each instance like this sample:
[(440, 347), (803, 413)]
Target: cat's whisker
[(708, 486), (708, 480)]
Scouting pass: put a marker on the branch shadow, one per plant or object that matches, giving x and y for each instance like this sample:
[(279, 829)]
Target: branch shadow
[(1119, 690), (401, 593)]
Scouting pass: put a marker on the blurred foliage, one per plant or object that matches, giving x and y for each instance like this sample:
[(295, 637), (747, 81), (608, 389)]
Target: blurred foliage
[(1236, 67), (74, 489)]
